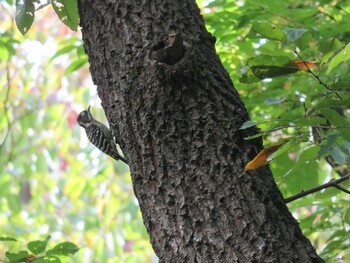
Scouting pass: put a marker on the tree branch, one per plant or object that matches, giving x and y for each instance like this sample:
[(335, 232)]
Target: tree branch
[(43, 5), (331, 183), (315, 76), (342, 189)]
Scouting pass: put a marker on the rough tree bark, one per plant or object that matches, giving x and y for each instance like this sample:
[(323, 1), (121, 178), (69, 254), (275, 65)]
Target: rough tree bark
[(177, 115)]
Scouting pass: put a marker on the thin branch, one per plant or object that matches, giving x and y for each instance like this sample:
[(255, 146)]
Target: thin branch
[(315, 76), (331, 183), (342, 189), (43, 5), (341, 9)]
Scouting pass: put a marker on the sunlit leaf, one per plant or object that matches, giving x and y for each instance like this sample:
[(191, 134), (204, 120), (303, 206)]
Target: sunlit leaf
[(62, 51), (67, 11), (8, 239), (248, 124), (16, 257), (287, 145), (293, 34), (65, 248), (267, 30), (48, 259), (25, 13), (14, 203), (37, 247), (343, 55), (76, 65)]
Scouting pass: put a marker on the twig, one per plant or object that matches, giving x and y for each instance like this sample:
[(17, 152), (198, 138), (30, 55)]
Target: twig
[(315, 76), (43, 5), (342, 189), (331, 183)]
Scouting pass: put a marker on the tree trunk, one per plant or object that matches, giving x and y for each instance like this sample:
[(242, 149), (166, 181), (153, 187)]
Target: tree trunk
[(177, 115)]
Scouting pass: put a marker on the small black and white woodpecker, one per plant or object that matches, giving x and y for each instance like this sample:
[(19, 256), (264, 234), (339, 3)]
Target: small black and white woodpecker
[(99, 135)]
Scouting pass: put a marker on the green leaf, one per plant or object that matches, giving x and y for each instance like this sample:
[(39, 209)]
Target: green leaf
[(16, 257), (293, 34), (310, 121), (249, 77), (286, 147), (343, 55), (65, 248), (248, 124), (334, 117), (304, 174), (37, 247), (331, 140), (255, 136), (80, 50), (25, 13), (328, 103), (277, 100), (67, 11), (76, 65), (307, 223), (14, 203), (341, 85), (48, 259), (339, 121), (264, 72), (269, 60), (4, 53), (338, 234), (8, 239), (267, 30), (62, 51), (338, 155), (266, 66)]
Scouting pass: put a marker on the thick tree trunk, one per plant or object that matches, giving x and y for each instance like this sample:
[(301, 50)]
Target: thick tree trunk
[(177, 117)]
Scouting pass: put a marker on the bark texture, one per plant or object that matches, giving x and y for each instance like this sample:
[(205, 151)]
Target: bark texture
[(177, 115)]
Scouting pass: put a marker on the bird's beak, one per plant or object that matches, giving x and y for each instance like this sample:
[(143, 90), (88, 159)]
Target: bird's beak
[(89, 109)]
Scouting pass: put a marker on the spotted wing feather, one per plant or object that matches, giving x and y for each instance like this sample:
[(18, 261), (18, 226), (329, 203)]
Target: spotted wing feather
[(103, 140)]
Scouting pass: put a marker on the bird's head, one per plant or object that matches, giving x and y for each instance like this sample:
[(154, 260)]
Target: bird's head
[(85, 118)]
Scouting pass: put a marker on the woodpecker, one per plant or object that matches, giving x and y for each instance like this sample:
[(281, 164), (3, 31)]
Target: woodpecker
[(99, 135)]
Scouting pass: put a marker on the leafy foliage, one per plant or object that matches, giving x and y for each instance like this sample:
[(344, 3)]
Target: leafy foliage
[(40, 254), (66, 10)]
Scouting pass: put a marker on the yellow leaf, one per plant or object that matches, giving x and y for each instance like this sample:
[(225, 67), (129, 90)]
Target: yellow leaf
[(262, 158)]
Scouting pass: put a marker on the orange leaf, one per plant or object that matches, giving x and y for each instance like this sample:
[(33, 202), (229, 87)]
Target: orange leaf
[(304, 65), (262, 157)]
